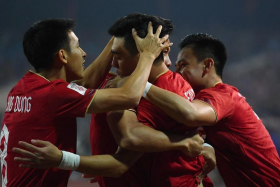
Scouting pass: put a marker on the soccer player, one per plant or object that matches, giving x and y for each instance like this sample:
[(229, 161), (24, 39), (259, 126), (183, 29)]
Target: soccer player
[(44, 105), (162, 169), (170, 168), (246, 155)]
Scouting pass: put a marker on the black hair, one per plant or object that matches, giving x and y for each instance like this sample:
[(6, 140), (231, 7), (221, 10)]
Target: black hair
[(206, 46), (123, 28), (43, 40)]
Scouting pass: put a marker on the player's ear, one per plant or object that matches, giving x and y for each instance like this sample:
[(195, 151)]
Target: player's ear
[(62, 56), (208, 63)]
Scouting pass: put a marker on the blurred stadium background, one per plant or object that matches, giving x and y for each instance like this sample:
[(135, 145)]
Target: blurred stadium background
[(250, 30)]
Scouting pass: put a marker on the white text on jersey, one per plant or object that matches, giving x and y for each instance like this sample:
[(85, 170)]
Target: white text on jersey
[(19, 104)]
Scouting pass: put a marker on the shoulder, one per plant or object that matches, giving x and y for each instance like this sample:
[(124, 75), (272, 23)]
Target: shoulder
[(172, 79), (222, 90), (62, 87), (221, 94)]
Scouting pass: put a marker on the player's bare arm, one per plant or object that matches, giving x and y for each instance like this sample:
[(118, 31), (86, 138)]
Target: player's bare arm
[(129, 94), (195, 113), (130, 134), (116, 82), (96, 72), (43, 154)]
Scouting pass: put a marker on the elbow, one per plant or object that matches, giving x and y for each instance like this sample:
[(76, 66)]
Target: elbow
[(133, 97), (128, 143), (133, 101), (190, 118), (119, 172)]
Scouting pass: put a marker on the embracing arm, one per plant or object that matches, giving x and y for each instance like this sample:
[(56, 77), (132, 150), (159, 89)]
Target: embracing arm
[(130, 134), (195, 113), (43, 154), (108, 165), (96, 72)]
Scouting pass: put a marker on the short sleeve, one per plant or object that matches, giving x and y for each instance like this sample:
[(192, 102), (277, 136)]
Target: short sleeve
[(221, 102), (70, 99)]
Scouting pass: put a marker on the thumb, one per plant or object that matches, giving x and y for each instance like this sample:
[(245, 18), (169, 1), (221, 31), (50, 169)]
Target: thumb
[(40, 142)]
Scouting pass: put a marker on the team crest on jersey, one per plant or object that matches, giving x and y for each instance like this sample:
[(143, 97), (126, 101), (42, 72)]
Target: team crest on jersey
[(80, 89), (190, 94)]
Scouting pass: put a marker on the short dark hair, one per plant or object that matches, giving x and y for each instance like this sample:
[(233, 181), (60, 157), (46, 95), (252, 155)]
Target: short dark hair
[(206, 46), (43, 40), (123, 28)]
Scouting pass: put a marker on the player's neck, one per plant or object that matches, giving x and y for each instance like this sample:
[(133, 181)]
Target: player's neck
[(156, 71), (53, 74), (212, 81)]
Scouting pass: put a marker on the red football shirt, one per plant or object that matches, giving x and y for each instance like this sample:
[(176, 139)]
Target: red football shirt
[(246, 155), (103, 142), (172, 168), (41, 109)]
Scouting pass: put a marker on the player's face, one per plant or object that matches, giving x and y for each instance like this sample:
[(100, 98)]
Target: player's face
[(191, 70), (122, 60), (75, 59)]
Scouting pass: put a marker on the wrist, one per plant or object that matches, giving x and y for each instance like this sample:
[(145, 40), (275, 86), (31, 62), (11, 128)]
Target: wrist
[(180, 143), (148, 56), (146, 90), (69, 161), (60, 156), (206, 145)]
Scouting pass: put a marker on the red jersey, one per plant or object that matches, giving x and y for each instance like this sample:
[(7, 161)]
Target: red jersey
[(171, 168), (41, 109), (103, 142), (246, 155)]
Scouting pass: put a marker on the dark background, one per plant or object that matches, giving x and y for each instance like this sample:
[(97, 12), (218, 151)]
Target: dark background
[(249, 29)]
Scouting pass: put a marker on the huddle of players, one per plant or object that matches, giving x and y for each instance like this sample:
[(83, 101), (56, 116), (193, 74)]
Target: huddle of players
[(154, 146)]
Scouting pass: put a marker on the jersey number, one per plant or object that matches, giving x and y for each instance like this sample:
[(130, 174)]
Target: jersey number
[(3, 152)]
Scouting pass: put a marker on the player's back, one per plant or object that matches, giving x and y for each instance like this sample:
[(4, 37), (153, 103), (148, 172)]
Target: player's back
[(29, 116), (246, 155), (171, 168)]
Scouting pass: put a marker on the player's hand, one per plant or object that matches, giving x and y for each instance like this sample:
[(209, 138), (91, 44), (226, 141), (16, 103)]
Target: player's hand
[(116, 82), (210, 162), (92, 178), (192, 144), (42, 154), (151, 45)]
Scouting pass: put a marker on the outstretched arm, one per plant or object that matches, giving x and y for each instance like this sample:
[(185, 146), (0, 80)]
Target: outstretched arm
[(130, 134), (96, 72), (195, 113), (129, 94), (109, 165), (43, 154)]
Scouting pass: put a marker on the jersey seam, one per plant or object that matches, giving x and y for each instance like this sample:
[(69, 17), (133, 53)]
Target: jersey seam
[(39, 75), (161, 75), (90, 103), (211, 107)]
